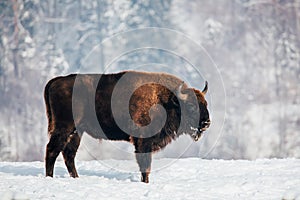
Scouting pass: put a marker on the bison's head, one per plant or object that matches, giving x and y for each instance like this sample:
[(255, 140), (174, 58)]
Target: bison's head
[(195, 113)]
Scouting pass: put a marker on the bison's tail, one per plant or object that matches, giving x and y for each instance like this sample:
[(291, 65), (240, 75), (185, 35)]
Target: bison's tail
[(47, 101)]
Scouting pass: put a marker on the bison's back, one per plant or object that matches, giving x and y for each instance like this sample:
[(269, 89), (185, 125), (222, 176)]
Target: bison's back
[(78, 99)]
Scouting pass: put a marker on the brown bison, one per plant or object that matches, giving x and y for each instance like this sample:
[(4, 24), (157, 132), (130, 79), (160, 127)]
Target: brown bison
[(147, 109)]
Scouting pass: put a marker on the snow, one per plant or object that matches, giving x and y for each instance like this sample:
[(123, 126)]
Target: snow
[(190, 178)]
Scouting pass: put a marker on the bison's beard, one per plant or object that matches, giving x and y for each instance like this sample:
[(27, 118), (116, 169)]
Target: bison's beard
[(193, 130)]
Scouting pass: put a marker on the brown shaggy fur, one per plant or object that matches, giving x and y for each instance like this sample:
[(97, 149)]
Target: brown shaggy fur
[(72, 102)]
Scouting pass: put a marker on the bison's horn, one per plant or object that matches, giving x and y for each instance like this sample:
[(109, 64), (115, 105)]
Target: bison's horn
[(204, 91), (179, 93)]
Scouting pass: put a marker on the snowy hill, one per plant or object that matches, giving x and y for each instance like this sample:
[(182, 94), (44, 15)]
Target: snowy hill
[(190, 178)]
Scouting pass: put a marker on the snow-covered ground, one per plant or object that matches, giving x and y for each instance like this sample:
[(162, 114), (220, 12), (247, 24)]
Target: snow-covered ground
[(190, 178)]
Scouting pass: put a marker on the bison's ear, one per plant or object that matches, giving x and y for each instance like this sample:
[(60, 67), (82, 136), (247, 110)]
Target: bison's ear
[(204, 91), (179, 93)]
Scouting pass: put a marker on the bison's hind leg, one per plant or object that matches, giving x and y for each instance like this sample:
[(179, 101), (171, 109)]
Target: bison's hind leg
[(54, 147), (69, 153), (65, 141)]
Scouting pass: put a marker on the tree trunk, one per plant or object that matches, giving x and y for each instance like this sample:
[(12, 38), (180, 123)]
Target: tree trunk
[(100, 11), (16, 38)]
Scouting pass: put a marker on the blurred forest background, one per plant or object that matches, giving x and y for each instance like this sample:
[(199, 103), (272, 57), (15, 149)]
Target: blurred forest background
[(255, 44)]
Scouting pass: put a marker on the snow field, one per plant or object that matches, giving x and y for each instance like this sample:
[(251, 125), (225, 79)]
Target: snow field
[(190, 178)]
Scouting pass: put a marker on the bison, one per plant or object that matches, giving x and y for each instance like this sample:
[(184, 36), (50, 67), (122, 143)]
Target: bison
[(148, 110)]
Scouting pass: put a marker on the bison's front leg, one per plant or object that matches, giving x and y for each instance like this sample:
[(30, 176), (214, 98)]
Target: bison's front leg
[(144, 162), (143, 157)]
